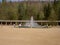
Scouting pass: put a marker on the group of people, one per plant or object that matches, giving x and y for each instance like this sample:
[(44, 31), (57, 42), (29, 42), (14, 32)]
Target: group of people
[(18, 25)]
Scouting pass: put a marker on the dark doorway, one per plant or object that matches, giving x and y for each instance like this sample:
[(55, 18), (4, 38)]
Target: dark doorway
[(59, 23), (3, 23)]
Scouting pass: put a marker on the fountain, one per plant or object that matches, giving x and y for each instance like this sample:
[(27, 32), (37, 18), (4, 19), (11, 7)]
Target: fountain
[(31, 24)]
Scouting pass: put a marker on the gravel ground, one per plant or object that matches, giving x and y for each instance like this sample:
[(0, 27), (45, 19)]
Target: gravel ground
[(29, 36)]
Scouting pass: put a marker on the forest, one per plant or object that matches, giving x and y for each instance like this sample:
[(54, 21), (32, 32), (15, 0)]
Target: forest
[(40, 10)]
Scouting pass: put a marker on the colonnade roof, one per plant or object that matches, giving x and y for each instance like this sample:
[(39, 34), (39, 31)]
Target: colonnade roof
[(28, 21)]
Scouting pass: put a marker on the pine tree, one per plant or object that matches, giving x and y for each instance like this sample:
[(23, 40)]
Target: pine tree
[(12, 11), (55, 7), (4, 12), (47, 11), (58, 9)]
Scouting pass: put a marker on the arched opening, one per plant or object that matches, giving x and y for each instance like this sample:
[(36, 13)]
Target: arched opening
[(3, 23)]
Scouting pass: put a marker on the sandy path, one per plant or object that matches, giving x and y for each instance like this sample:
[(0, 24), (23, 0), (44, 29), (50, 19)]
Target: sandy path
[(29, 36)]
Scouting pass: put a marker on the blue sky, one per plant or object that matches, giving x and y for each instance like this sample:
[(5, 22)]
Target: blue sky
[(0, 0), (22, 0), (12, 0)]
